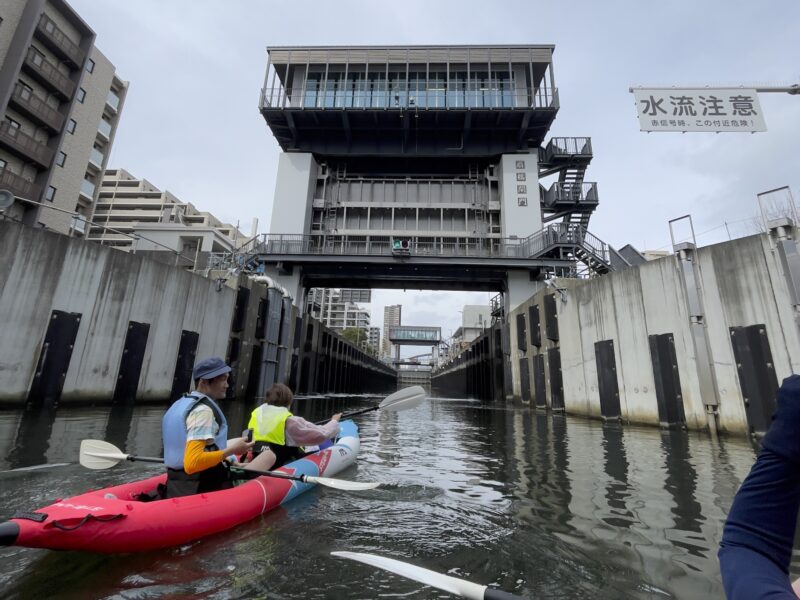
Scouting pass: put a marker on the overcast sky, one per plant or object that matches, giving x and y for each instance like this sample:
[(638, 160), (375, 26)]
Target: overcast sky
[(191, 123)]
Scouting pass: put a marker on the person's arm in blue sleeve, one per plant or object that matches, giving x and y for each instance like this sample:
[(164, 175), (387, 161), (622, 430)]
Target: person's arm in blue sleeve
[(757, 541)]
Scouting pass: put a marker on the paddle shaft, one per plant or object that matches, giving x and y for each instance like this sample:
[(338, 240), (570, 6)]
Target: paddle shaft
[(351, 414), (276, 474), (493, 594)]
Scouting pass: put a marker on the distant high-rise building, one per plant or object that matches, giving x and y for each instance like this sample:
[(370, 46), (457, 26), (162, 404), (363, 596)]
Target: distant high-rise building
[(60, 103), (391, 318)]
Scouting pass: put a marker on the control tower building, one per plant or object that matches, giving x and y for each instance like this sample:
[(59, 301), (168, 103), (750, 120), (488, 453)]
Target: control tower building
[(420, 167)]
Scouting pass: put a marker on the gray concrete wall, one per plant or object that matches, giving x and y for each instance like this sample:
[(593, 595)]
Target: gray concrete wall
[(43, 271), (742, 283)]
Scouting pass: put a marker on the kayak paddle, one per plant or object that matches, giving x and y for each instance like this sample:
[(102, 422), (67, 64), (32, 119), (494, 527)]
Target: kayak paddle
[(97, 454), (457, 587), (401, 400)]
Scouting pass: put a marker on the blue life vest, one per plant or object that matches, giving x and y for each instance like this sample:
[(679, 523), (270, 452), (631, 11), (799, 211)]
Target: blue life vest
[(173, 428)]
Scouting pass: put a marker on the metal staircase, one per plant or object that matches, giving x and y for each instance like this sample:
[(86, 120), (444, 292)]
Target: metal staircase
[(569, 157)]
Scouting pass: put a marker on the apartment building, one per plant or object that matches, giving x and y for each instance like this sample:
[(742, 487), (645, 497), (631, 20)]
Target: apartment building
[(132, 214), (374, 339), (60, 104), (329, 306)]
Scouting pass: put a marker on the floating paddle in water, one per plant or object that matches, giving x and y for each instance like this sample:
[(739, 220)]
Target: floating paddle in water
[(401, 400), (457, 587), (97, 454)]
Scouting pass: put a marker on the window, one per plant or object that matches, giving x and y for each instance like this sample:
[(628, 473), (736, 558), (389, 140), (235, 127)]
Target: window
[(61, 159), (90, 66), (2, 164), (81, 94), (50, 194), (14, 124), (71, 126)]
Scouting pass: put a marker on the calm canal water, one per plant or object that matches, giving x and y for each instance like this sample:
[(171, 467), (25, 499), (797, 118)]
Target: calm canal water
[(545, 506)]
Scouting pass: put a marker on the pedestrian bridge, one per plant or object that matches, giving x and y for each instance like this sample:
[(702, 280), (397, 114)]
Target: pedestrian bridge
[(415, 335)]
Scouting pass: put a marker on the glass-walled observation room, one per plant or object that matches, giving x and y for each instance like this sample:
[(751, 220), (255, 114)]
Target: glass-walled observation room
[(414, 78)]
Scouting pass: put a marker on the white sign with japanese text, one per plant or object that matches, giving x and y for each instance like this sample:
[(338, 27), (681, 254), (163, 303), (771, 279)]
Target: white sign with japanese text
[(703, 109)]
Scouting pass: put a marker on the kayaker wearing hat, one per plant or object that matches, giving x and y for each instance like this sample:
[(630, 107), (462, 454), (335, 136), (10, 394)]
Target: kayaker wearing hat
[(195, 432), (277, 429)]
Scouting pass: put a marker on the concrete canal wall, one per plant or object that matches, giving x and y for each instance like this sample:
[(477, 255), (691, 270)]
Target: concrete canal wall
[(325, 362), (82, 322), (709, 329), (480, 371)]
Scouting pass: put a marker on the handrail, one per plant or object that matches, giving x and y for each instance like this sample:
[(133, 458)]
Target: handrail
[(34, 104), (531, 247), (60, 39), (569, 146), (405, 97), (50, 73)]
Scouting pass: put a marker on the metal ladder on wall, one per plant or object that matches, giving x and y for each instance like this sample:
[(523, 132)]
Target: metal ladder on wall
[(481, 200)]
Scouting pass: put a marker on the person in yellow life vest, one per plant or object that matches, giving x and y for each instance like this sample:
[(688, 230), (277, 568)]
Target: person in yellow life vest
[(277, 429)]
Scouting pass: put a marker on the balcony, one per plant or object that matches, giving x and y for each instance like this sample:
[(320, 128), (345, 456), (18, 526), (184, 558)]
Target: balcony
[(24, 146), (112, 101), (36, 108), (18, 185), (87, 190), (48, 74), (57, 41), (104, 129), (96, 159)]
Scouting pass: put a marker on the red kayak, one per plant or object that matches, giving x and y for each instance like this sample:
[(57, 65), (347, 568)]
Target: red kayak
[(111, 520)]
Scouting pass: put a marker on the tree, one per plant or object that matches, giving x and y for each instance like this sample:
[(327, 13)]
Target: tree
[(355, 335), (360, 339)]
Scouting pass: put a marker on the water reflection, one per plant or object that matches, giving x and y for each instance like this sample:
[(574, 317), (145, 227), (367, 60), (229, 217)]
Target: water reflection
[(544, 505)]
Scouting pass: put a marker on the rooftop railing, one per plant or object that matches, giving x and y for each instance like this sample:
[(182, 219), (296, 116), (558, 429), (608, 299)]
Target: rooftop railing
[(408, 98)]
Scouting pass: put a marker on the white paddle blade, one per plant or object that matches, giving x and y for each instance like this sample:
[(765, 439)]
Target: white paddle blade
[(403, 399), (97, 454), (342, 484), (454, 586)]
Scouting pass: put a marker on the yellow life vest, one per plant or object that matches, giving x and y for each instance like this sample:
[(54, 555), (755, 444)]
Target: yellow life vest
[(268, 424)]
